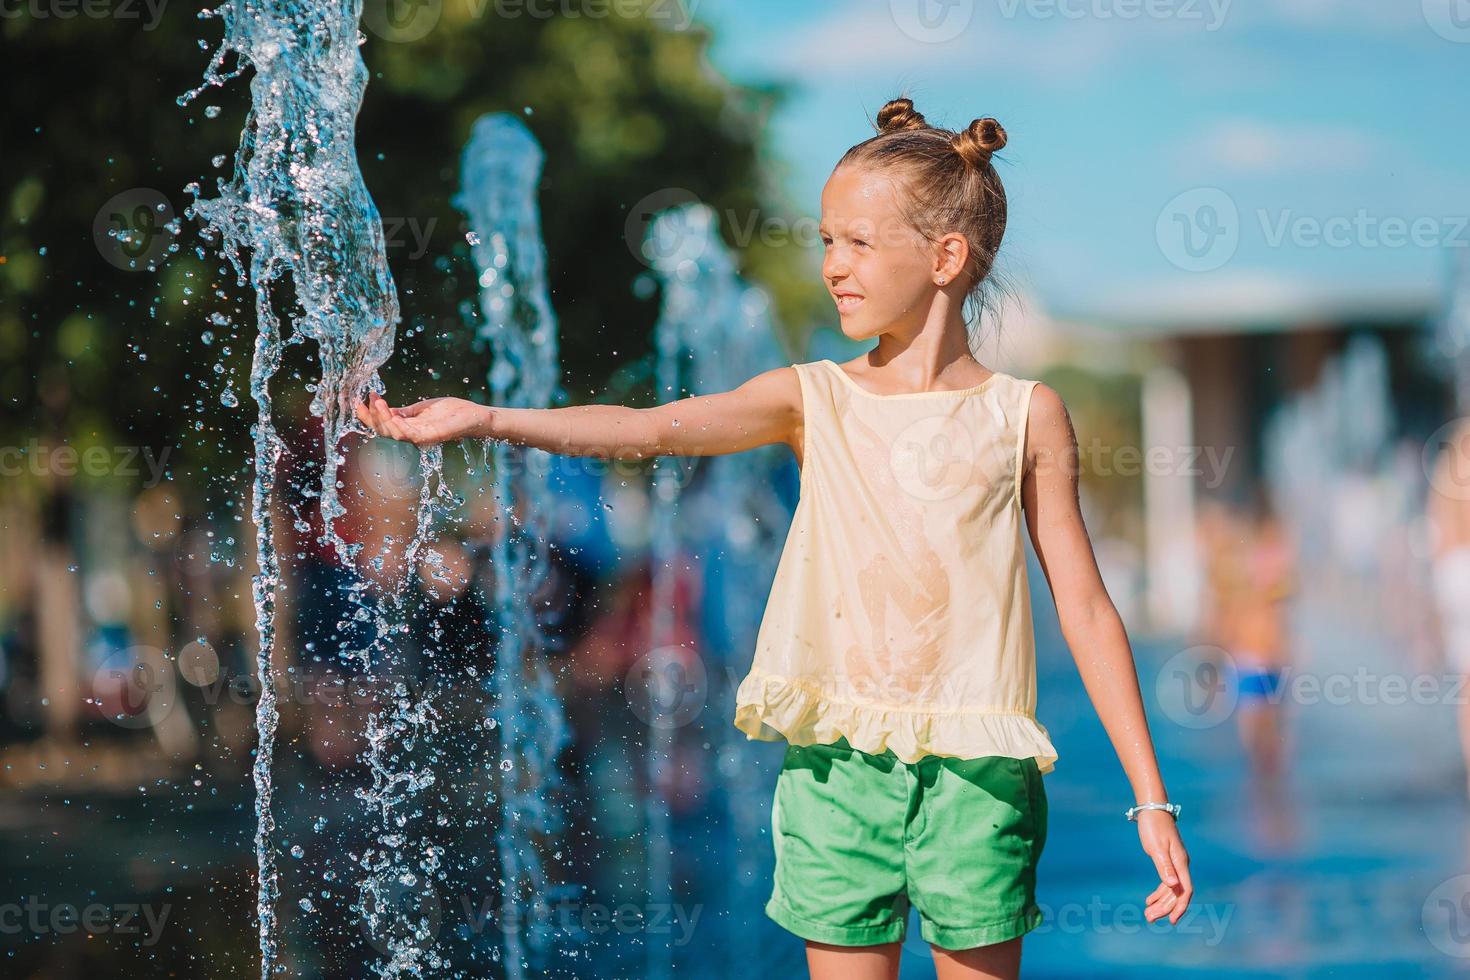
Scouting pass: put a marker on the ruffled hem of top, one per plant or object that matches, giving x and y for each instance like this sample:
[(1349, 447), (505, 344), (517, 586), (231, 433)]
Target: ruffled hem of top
[(770, 709)]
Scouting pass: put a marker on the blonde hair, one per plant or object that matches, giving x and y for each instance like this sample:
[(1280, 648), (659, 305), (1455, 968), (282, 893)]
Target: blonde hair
[(948, 185)]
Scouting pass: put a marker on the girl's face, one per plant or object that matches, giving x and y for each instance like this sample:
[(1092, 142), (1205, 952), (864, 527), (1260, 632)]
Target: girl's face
[(880, 270)]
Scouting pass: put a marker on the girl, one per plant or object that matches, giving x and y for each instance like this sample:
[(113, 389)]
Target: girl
[(895, 656)]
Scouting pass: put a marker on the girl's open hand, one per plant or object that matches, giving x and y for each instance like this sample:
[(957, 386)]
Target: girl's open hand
[(428, 422), (1159, 834)]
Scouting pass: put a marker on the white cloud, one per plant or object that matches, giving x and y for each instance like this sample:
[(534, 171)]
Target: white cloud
[(865, 37), (1066, 40), (1254, 147)]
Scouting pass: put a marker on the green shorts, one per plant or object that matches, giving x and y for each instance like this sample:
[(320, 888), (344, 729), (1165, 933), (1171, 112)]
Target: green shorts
[(858, 837)]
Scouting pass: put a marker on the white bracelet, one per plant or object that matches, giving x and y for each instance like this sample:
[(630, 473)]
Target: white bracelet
[(1173, 809)]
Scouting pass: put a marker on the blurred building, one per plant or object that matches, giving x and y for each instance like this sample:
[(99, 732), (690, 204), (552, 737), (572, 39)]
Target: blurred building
[(1212, 380)]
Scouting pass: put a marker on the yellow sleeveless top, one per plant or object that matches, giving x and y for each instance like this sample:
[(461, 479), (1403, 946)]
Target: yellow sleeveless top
[(900, 614)]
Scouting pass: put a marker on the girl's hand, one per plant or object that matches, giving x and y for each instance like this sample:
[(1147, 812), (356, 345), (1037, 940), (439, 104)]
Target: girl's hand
[(1159, 834), (428, 422)]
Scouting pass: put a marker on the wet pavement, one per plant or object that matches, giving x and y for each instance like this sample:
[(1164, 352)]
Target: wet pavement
[(1358, 867), (1351, 870)]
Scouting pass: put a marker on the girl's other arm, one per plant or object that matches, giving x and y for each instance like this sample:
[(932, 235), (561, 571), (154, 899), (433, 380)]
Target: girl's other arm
[(763, 410), (1095, 635)]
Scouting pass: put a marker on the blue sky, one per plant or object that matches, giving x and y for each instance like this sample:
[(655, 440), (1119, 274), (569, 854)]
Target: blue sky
[(1167, 157)]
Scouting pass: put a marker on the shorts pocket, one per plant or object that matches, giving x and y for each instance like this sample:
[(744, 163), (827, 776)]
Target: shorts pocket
[(1035, 800)]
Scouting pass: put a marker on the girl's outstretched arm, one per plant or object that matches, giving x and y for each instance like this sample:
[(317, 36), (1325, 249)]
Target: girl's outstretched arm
[(1095, 635), (763, 410)]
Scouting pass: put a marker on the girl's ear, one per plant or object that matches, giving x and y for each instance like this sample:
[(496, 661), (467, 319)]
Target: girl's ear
[(950, 259)]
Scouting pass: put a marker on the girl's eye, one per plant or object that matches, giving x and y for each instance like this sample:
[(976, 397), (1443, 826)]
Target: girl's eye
[(863, 244)]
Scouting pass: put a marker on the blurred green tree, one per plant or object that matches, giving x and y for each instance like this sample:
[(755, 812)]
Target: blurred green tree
[(621, 96)]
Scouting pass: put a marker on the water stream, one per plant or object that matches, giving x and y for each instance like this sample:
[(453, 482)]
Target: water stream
[(295, 222), (499, 175), (713, 334)]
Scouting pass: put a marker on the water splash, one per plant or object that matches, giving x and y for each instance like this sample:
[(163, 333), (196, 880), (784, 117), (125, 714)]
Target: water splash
[(1322, 452), (500, 172), (737, 521), (676, 238), (296, 204), (713, 334)]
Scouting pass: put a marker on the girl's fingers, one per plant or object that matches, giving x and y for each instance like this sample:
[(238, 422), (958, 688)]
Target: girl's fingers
[(395, 430), (369, 415), (1166, 869), (1181, 861), (1156, 909), (393, 423), (385, 420), (381, 413), (382, 418), (1163, 901)]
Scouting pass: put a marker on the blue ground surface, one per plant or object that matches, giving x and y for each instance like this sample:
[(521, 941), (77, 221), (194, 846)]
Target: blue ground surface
[(1355, 873), (1351, 873)]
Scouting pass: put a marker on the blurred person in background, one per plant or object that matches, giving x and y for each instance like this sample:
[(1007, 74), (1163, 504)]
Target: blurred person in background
[(1449, 531), (1256, 578)]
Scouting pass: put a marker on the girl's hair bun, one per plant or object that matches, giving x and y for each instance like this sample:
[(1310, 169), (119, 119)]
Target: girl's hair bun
[(900, 115), (982, 138), (946, 184)]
